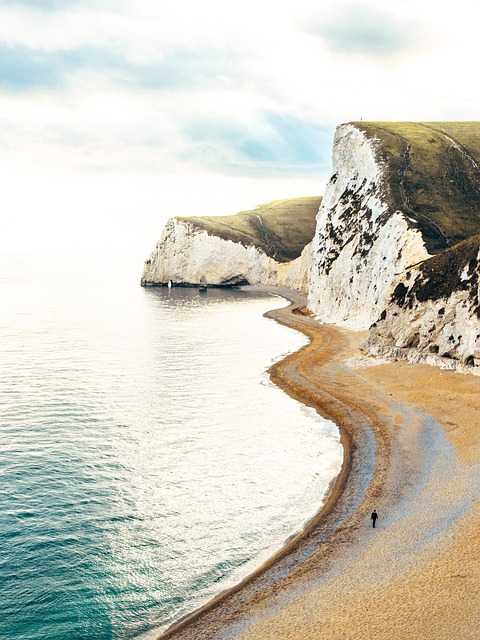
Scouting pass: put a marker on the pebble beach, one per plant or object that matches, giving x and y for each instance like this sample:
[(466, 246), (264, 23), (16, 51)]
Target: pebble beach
[(412, 452)]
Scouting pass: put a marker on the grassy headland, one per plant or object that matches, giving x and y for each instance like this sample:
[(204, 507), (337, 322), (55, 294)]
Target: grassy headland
[(434, 176), (280, 228)]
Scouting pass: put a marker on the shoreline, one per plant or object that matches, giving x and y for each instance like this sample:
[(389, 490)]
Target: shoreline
[(380, 438)]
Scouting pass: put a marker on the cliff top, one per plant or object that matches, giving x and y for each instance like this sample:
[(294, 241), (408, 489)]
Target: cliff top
[(451, 270), (281, 228), (434, 175)]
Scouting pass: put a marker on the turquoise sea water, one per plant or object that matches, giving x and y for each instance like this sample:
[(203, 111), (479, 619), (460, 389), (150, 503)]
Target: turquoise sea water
[(146, 460)]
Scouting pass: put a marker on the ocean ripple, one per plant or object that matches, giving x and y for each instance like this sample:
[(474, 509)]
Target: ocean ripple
[(146, 459)]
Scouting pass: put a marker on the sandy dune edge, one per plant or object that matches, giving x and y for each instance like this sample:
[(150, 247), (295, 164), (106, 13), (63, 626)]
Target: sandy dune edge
[(412, 452)]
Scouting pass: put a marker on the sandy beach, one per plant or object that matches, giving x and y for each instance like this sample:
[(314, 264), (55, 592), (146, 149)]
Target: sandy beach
[(412, 452)]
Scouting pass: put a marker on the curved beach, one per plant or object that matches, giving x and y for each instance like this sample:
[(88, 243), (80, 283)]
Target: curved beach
[(412, 451)]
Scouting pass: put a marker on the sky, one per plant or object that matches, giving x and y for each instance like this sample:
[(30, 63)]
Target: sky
[(118, 114)]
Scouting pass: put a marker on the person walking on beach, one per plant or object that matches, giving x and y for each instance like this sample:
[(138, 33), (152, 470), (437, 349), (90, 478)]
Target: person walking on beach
[(374, 517)]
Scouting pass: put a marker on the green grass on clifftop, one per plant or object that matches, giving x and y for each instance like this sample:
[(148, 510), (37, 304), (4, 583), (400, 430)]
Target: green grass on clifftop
[(434, 175), (451, 270), (281, 228)]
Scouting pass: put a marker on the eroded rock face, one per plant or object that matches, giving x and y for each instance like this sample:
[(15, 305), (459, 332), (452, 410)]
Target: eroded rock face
[(371, 269), (361, 242), (434, 313), (188, 256)]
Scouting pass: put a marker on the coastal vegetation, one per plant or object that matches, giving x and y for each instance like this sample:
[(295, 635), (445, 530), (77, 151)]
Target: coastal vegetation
[(433, 176), (433, 173), (451, 270), (281, 228)]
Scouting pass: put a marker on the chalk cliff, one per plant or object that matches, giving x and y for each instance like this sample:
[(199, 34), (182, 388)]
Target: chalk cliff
[(269, 245), (433, 315), (394, 248), (362, 242)]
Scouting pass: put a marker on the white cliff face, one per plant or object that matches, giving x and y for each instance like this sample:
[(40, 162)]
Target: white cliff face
[(443, 331), (361, 244), (187, 255), (367, 267), (296, 274)]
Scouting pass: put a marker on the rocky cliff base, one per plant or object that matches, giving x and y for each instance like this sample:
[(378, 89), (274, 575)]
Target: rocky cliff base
[(434, 312)]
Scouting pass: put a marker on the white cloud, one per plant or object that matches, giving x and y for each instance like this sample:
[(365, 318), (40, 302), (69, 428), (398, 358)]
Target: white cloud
[(119, 96)]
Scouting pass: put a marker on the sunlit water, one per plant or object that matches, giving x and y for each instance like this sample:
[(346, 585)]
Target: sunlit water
[(146, 460)]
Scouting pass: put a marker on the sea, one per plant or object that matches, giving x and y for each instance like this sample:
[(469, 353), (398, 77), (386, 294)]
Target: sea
[(146, 460)]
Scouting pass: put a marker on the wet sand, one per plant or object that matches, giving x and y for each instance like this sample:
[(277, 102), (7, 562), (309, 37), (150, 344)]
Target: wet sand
[(412, 451)]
